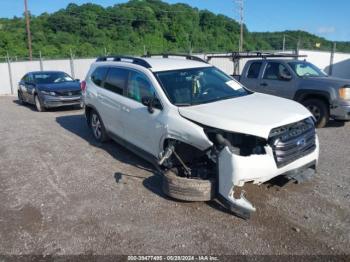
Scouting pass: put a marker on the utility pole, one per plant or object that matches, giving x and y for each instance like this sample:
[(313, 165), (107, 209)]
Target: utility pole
[(28, 30), (240, 4), (298, 46), (284, 43), (334, 49)]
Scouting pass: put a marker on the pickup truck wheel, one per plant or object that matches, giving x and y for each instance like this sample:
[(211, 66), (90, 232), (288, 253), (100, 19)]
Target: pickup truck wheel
[(187, 189), (320, 111), (97, 127)]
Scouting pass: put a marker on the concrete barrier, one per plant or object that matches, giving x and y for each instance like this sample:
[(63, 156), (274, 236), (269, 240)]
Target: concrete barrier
[(80, 67)]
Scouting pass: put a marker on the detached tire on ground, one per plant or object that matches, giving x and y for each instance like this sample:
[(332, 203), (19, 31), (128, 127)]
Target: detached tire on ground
[(319, 109), (187, 189)]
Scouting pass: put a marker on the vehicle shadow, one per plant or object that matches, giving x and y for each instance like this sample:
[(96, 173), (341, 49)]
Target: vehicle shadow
[(77, 125), (335, 124)]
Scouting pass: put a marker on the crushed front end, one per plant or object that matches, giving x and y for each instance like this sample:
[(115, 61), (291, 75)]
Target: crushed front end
[(289, 150)]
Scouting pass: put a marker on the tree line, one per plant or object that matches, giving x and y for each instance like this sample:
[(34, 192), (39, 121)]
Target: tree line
[(138, 26)]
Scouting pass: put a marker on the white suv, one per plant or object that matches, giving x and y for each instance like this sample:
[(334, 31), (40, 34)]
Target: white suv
[(206, 133)]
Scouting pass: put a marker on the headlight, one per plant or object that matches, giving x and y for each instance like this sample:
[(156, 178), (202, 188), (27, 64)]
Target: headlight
[(344, 92), (48, 93)]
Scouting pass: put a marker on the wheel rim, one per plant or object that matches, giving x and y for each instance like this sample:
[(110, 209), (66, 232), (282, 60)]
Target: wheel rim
[(96, 126), (37, 103), (315, 111)]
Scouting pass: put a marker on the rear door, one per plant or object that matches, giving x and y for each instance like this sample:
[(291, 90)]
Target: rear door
[(251, 77), (110, 98), (277, 80)]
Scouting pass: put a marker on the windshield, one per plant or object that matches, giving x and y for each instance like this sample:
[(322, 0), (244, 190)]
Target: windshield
[(54, 77), (198, 86), (305, 69)]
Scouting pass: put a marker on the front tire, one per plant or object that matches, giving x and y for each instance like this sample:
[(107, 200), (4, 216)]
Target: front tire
[(20, 98), (97, 127), (38, 105), (320, 111), (187, 189)]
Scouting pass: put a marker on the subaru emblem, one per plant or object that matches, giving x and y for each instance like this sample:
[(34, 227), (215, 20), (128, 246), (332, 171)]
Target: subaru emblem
[(301, 142), (70, 93)]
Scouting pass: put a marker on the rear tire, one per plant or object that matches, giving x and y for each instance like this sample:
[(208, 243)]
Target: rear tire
[(38, 105), (320, 111), (97, 127), (187, 189)]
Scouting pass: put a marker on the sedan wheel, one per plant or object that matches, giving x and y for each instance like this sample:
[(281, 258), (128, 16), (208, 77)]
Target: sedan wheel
[(20, 98), (38, 105)]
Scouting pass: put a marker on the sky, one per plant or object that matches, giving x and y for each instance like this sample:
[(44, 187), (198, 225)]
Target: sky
[(329, 19)]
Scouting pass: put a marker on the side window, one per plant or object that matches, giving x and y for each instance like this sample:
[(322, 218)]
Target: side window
[(276, 71), (254, 70), (28, 78), (116, 80), (99, 75), (24, 78), (139, 86)]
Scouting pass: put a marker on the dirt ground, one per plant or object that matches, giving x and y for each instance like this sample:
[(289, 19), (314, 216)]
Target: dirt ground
[(61, 193)]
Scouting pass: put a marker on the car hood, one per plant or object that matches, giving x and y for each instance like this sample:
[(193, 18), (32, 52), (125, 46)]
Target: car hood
[(254, 114), (64, 86), (329, 81)]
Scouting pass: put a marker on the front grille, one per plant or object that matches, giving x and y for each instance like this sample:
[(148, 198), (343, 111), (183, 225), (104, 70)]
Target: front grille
[(68, 93), (292, 142)]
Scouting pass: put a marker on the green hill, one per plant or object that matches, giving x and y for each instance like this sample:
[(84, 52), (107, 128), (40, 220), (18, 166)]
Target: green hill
[(91, 30)]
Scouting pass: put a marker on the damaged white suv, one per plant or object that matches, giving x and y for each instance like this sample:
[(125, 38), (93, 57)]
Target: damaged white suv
[(205, 132)]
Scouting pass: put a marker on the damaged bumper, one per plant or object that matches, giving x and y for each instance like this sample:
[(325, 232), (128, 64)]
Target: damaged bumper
[(236, 170)]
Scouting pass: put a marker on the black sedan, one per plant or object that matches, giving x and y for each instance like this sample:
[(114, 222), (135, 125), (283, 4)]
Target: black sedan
[(47, 89)]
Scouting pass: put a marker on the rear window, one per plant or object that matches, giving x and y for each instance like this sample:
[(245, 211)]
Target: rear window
[(254, 70), (99, 75), (116, 80)]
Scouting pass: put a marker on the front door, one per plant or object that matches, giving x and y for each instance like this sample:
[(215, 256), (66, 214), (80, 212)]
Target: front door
[(142, 128), (277, 80)]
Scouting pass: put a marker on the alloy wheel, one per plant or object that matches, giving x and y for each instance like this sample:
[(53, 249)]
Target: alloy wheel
[(37, 104), (96, 126)]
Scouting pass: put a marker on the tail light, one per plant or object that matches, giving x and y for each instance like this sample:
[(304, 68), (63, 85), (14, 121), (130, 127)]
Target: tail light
[(83, 86)]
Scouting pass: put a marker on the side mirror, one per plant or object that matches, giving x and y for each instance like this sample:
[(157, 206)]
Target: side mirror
[(151, 103), (286, 77), (148, 101)]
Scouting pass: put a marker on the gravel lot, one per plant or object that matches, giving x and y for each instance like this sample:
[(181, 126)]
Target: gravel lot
[(61, 193)]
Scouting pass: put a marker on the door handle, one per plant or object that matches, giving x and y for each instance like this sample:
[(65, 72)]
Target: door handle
[(124, 108), (264, 84)]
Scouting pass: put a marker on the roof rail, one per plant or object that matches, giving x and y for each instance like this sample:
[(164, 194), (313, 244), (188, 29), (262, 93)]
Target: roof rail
[(120, 58), (264, 55), (187, 56)]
